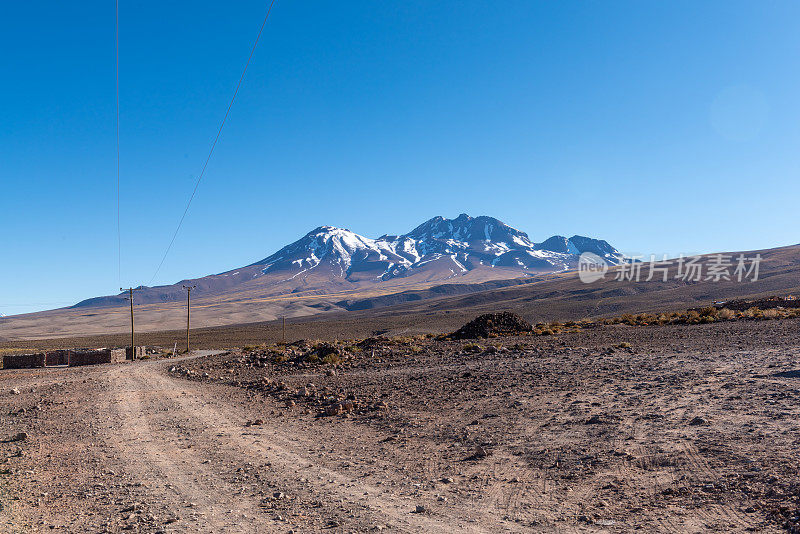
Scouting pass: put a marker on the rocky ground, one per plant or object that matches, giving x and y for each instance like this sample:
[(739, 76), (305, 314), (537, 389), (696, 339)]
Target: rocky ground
[(687, 428)]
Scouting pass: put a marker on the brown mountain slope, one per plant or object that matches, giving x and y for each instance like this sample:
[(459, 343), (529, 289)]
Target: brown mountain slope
[(418, 309)]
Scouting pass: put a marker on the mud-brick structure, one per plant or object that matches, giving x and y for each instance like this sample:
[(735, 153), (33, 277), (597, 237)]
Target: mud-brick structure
[(56, 357), (24, 361), (93, 357), (71, 358), (134, 353)]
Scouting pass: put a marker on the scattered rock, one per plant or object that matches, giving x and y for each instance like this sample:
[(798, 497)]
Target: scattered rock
[(15, 391), (596, 419), (493, 324), (334, 409), (419, 509), (605, 522), (697, 421), (479, 453)]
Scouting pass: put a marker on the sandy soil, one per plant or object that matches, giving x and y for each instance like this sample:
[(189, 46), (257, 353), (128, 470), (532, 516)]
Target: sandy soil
[(686, 429)]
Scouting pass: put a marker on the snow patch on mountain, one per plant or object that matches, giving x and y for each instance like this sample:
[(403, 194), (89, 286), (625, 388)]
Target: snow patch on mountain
[(466, 242)]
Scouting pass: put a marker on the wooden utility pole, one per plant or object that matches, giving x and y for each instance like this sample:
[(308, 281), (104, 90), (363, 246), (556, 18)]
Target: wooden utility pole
[(130, 291), (188, 303)]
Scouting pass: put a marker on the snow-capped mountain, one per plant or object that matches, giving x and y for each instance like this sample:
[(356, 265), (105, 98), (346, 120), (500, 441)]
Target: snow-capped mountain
[(329, 260), (456, 245)]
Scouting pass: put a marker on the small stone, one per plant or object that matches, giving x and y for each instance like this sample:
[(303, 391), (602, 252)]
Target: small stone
[(446, 480), (20, 436), (333, 409), (15, 391), (480, 452), (419, 509), (330, 372)]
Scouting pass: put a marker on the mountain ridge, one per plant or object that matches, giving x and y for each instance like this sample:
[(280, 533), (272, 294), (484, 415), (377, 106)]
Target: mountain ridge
[(440, 250)]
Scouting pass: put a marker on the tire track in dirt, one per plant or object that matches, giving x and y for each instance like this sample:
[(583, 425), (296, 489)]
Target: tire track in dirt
[(151, 452), (288, 453), (700, 465), (153, 409)]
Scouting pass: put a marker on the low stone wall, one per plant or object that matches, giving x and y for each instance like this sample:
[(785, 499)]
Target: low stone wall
[(57, 357), (134, 353), (23, 361), (72, 358), (90, 357)]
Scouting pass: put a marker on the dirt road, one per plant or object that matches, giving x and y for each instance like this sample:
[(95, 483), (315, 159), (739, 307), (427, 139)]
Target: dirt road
[(127, 447), (662, 429)]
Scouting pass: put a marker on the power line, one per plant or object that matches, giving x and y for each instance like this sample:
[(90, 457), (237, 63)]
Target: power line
[(214, 144), (119, 231)]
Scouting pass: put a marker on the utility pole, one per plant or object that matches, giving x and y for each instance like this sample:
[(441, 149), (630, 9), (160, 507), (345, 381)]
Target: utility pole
[(130, 291), (188, 303)]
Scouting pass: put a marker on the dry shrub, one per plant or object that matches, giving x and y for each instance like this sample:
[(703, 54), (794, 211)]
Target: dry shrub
[(332, 359), (726, 315)]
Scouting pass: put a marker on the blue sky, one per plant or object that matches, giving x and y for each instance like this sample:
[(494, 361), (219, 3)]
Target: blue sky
[(662, 127)]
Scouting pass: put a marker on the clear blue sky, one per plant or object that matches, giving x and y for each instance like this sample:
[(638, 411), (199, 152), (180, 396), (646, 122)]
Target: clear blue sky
[(662, 127)]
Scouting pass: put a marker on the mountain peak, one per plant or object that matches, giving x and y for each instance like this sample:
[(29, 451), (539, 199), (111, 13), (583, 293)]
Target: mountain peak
[(329, 258), (325, 229), (465, 242), (465, 227)]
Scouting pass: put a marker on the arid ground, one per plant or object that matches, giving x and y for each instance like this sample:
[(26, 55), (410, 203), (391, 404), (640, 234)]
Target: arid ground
[(612, 429)]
